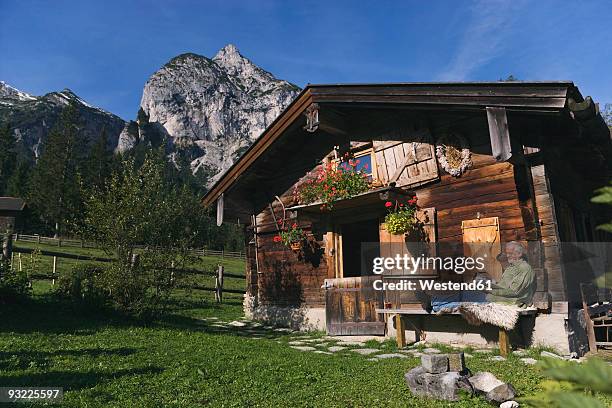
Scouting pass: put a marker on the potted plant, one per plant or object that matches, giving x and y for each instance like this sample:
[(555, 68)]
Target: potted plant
[(400, 216), (292, 237), (333, 182)]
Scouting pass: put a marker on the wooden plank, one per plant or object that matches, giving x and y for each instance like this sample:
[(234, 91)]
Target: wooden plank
[(498, 132), (504, 343), (401, 331)]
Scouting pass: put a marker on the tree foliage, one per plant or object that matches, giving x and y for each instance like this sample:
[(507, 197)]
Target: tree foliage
[(149, 224), (573, 385), (55, 185)]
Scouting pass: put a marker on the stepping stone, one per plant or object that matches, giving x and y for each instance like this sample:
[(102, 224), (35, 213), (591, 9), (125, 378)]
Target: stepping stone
[(482, 351), (310, 340), (529, 361), (417, 354), (323, 352), (430, 350), (390, 355), (519, 353), (283, 330), (334, 349), (236, 323), (303, 348), (365, 351), (296, 343), (352, 343), (497, 358), (552, 355)]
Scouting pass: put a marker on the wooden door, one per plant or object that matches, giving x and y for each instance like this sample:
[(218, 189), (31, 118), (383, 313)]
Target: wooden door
[(420, 242), (481, 239), (350, 307)]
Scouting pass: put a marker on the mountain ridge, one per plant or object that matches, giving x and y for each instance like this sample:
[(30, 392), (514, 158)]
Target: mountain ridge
[(208, 110)]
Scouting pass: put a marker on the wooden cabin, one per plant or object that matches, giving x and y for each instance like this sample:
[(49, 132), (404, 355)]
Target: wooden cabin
[(11, 213), (491, 162)]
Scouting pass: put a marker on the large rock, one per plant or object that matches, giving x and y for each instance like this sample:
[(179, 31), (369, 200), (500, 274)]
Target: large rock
[(491, 387), (442, 386)]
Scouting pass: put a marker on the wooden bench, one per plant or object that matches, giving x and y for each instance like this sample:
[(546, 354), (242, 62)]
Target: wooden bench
[(400, 318)]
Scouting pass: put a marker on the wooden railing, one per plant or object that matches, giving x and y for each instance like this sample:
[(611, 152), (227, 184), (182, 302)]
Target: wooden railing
[(79, 243)]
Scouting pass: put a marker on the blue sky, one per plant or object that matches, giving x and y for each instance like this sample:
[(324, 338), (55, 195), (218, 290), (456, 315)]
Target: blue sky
[(105, 50)]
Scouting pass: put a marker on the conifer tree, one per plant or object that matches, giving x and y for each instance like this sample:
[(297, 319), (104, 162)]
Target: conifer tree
[(55, 185), (7, 157), (99, 163)]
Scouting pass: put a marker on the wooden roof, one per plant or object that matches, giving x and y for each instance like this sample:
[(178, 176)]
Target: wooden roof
[(284, 151), (11, 204)]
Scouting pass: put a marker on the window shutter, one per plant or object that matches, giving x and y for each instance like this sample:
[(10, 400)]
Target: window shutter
[(481, 239), (406, 163)]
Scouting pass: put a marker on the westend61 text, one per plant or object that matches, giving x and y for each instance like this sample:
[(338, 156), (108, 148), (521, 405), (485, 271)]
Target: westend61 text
[(430, 284)]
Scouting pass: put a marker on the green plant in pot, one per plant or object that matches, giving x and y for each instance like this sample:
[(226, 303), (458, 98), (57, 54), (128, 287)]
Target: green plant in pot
[(292, 237), (400, 218)]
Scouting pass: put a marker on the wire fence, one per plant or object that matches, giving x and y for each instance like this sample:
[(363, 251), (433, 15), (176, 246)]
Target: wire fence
[(79, 243)]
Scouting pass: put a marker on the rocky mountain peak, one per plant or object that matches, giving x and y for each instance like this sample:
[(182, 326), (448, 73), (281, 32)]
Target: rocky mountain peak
[(7, 92), (213, 109)]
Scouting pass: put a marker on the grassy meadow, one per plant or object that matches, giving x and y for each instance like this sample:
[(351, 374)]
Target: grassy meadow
[(201, 354)]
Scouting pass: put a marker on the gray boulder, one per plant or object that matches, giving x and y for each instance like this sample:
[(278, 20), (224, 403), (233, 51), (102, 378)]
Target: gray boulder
[(442, 386), (492, 388), (434, 363)]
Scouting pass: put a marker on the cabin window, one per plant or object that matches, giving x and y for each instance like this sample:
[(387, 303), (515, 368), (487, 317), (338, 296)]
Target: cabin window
[(365, 162)]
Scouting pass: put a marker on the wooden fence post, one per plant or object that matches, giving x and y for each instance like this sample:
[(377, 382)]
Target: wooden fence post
[(20, 269), (54, 269), (38, 239), (219, 285)]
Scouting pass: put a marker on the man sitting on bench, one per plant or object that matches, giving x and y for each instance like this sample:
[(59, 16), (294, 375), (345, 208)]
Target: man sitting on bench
[(517, 285)]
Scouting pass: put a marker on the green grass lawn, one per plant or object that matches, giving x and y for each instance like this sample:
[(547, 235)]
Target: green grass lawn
[(187, 360)]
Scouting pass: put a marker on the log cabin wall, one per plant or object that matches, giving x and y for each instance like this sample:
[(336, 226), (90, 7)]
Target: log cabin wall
[(285, 278), (488, 189)]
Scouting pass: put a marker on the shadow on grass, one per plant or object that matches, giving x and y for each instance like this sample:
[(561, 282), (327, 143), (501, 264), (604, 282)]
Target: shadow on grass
[(72, 380), (50, 315), (46, 314), (23, 359)]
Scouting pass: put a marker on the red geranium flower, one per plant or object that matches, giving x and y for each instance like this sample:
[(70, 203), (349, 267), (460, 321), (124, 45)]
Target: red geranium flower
[(277, 238), (294, 225), (388, 204)]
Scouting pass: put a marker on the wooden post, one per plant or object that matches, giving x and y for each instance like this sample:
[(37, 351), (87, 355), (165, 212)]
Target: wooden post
[(219, 285), (7, 245), (19, 257), (54, 269), (504, 343), (400, 331), (38, 239)]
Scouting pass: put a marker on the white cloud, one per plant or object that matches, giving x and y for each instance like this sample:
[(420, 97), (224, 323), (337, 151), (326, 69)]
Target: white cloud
[(485, 38)]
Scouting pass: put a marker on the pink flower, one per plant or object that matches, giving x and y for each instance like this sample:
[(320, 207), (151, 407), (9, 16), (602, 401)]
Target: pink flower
[(388, 204)]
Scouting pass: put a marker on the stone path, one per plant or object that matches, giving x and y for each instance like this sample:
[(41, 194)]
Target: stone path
[(363, 346)]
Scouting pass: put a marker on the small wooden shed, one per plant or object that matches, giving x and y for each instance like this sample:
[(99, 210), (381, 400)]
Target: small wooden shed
[(488, 161), (11, 213)]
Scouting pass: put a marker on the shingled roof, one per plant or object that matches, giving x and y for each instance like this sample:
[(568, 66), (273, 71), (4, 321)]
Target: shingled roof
[(12, 204)]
